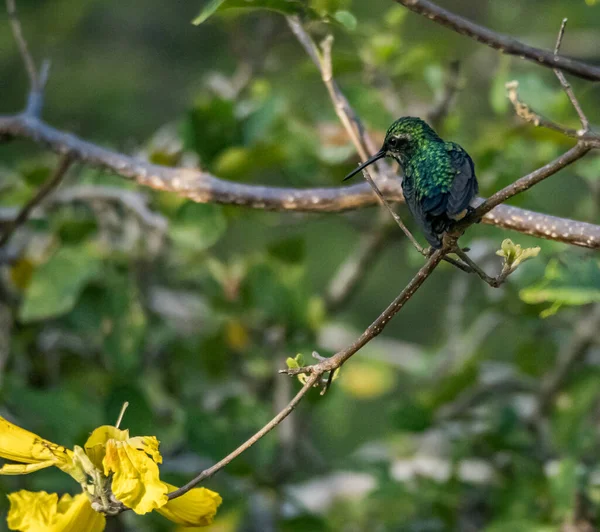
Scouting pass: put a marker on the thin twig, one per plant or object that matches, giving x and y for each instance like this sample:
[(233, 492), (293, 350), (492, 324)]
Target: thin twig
[(352, 272), (503, 43), (524, 111), (335, 361), (494, 282), (476, 395), (207, 473), (37, 82), (439, 111), (131, 200), (49, 185), (15, 24), (449, 246), (585, 123), (584, 335), (352, 124), (526, 182)]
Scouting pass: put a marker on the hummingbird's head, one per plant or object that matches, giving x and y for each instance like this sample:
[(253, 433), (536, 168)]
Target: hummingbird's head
[(403, 139)]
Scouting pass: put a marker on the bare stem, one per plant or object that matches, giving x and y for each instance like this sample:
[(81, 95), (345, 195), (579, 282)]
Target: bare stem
[(503, 43), (53, 181), (15, 24), (585, 123), (334, 362), (352, 272), (524, 111), (584, 335), (526, 182), (207, 473), (494, 282)]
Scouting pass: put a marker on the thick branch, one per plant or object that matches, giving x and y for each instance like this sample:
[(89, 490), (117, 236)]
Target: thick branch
[(526, 182), (203, 187), (503, 43)]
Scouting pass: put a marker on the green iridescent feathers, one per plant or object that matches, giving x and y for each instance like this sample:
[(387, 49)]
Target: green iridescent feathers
[(439, 177)]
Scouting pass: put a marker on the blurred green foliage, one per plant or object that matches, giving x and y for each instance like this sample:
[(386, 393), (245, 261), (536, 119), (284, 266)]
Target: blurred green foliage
[(187, 311)]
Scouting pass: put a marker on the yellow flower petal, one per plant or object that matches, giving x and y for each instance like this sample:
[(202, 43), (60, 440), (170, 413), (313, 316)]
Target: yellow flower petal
[(31, 511), (196, 508), (96, 443), (23, 469), (22, 446), (44, 512), (75, 514), (135, 481), (148, 444)]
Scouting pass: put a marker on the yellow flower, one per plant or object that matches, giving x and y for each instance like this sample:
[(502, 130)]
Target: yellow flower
[(196, 508), (115, 472), (33, 453), (36, 512)]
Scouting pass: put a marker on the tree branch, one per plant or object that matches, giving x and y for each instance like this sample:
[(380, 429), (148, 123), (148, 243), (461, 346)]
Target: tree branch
[(524, 111), (49, 185), (503, 43), (529, 115), (334, 362), (526, 182), (207, 473), (494, 282), (37, 82), (437, 114), (584, 335), (203, 187), (585, 123), (26, 56), (352, 272)]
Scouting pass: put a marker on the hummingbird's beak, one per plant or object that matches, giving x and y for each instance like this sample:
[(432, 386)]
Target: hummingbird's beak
[(379, 155)]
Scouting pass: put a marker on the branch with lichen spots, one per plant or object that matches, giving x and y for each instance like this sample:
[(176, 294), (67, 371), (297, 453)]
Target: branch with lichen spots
[(203, 187)]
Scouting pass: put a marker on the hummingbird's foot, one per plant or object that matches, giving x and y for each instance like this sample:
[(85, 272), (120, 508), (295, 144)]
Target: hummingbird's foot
[(471, 210)]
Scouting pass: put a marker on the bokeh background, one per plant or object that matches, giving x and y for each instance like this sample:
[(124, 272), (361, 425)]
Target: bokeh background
[(477, 409)]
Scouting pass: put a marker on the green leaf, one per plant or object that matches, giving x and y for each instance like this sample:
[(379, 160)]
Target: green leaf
[(295, 363), (210, 127), (285, 7), (346, 19), (290, 250), (55, 286), (198, 226), (514, 254), (209, 9), (124, 325), (563, 487), (574, 283)]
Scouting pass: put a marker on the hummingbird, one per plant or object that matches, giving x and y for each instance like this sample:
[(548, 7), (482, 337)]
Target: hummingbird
[(439, 180)]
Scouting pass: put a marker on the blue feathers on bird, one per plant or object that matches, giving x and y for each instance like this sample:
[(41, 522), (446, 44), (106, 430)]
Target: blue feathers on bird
[(439, 180)]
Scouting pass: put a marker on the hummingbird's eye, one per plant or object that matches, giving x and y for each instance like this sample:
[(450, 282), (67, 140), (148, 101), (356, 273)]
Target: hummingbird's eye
[(393, 142)]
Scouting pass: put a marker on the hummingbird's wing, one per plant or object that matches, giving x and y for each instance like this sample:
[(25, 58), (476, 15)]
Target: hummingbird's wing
[(464, 186), (424, 220)]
